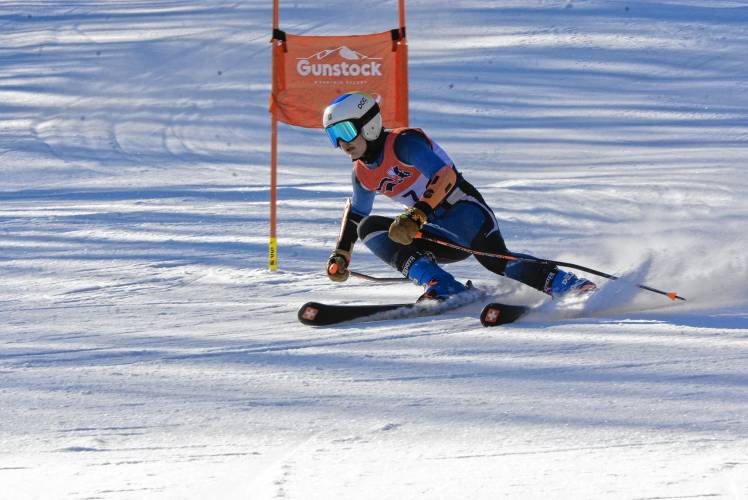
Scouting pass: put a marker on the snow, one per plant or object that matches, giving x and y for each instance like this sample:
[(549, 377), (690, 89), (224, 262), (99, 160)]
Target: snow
[(147, 352)]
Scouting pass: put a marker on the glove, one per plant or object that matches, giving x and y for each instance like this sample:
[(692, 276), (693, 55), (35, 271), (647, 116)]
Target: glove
[(403, 230), (337, 265)]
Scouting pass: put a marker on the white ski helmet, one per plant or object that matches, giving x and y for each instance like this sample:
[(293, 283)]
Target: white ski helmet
[(352, 114)]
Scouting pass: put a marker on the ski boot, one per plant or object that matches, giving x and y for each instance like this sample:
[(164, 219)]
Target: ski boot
[(444, 289), (440, 285), (566, 284)]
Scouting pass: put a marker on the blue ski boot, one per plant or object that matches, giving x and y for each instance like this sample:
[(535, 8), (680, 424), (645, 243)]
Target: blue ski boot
[(569, 284), (440, 285)]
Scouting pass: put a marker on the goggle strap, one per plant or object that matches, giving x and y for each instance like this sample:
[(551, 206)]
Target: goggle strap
[(360, 122), (371, 113)]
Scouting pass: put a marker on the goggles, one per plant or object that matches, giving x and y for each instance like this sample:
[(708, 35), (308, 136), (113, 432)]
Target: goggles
[(346, 131)]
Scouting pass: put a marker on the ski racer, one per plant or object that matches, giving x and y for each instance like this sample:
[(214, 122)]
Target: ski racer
[(409, 167)]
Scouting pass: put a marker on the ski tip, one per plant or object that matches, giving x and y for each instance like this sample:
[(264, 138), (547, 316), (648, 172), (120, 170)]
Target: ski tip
[(491, 315), (308, 313), (500, 314), (674, 296)]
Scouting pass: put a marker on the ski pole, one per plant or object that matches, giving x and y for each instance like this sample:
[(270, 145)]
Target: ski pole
[(670, 295), (363, 276), (333, 269)]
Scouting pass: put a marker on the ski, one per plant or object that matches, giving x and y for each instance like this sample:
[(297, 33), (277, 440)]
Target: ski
[(319, 314), (495, 314)]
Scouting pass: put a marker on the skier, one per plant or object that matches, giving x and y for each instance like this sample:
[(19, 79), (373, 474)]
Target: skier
[(409, 167)]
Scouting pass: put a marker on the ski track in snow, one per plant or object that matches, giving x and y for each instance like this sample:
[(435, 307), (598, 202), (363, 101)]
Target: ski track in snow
[(148, 353)]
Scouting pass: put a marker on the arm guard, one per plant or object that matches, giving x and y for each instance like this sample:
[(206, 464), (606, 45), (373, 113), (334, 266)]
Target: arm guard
[(348, 229), (439, 187)]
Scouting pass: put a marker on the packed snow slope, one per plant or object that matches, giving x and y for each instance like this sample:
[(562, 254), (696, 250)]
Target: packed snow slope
[(147, 352)]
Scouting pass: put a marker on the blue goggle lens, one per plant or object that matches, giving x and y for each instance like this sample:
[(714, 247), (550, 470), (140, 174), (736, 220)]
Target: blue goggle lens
[(341, 130)]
